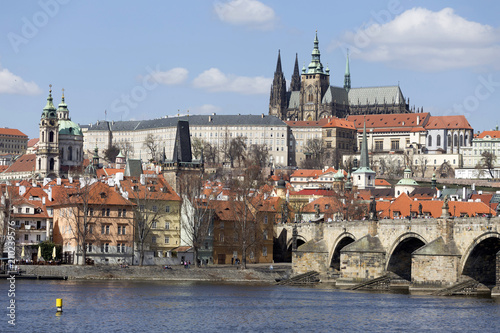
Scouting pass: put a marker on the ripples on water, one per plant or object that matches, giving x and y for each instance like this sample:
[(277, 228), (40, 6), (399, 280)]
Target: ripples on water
[(127, 306)]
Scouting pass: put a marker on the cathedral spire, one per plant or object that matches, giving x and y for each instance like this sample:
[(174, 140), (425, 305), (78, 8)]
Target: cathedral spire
[(315, 66), (277, 100), (295, 83), (347, 75), (278, 64)]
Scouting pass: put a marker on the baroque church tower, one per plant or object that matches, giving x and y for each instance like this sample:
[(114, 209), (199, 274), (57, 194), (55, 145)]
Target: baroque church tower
[(60, 147), (47, 156)]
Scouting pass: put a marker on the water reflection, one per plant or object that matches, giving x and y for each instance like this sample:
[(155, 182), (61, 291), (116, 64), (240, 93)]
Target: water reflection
[(206, 307)]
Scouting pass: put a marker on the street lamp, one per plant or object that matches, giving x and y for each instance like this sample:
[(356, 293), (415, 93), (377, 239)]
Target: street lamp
[(409, 217)]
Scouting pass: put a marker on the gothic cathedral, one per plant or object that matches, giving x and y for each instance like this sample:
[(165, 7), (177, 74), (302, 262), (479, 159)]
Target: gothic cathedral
[(311, 97)]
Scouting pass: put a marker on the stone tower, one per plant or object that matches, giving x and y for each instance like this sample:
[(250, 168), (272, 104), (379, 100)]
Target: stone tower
[(315, 83), (278, 99), (47, 156)]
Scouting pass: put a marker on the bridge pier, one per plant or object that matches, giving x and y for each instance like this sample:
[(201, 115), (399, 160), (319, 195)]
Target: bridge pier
[(363, 260), (495, 292), (313, 255), (437, 264)]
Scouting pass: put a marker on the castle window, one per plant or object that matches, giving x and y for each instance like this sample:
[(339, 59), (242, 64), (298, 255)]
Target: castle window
[(430, 140), (51, 136), (438, 140)]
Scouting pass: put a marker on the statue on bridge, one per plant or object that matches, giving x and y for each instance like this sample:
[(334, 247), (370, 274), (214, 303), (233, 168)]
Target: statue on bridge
[(420, 209)]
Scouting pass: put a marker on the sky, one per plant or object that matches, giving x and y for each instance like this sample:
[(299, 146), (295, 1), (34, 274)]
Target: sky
[(134, 60)]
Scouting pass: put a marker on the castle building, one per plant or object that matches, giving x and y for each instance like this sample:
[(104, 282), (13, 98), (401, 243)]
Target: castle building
[(60, 148), (311, 97)]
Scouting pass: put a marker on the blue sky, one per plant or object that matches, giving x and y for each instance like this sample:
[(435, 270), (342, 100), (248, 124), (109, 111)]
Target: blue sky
[(147, 59)]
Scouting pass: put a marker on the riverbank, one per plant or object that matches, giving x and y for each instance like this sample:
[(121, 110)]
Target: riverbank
[(254, 273)]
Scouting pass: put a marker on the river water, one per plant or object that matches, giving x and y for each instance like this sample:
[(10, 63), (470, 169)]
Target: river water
[(154, 306)]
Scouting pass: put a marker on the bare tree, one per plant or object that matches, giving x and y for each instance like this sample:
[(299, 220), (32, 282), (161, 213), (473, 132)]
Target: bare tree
[(81, 205), (487, 162), (421, 166), (259, 154), (315, 154), (150, 198), (111, 153), (197, 147), (445, 170), (151, 144), (236, 150), (197, 212), (126, 148), (246, 196)]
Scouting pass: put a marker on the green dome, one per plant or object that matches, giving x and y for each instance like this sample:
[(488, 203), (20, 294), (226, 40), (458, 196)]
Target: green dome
[(68, 127), (407, 181)]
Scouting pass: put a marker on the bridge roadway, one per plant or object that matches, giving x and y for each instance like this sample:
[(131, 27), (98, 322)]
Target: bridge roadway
[(428, 252)]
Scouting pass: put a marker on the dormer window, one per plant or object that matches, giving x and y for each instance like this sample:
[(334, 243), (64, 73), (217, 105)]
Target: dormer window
[(103, 195)]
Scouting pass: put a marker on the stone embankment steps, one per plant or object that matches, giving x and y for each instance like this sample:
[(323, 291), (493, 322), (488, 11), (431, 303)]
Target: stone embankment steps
[(302, 279), (383, 282), (468, 287)]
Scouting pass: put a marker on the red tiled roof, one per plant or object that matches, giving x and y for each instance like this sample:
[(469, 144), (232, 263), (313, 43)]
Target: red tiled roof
[(307, 123), (491, 134), (25, 163), (390, 122), (434, 207), (11, 131), (306, 173), (343, 123), (155, 188), (381, 182), (33, 142), (448, 122)]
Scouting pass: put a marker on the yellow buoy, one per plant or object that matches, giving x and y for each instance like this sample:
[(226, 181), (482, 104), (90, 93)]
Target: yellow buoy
[(59, 304)]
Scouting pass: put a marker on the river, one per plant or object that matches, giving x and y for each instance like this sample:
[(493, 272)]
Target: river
[(159, 306)]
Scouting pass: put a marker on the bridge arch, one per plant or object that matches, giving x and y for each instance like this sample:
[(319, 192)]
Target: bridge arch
[(342, 240), (479, 260), (399, 256)]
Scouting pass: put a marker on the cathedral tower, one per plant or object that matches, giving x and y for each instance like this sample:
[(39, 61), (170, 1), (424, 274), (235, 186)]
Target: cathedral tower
[(278, 100), (315, 83)]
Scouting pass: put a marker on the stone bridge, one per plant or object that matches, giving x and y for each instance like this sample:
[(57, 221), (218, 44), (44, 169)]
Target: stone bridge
[(429, 253)]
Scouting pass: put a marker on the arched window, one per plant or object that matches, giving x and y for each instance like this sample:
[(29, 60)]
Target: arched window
[(51, 136), (461, 140), (70, 153), (449, 140), (438, 140), (430, 141), (61, 152), (51, 167), (43, 136), (455, 140), (39, 163)]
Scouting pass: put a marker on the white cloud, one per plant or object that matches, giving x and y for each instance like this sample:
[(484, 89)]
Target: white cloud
[(214, 80), (251, 13), (13, 84), (422, 39), (205, 109), (173, 76)]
